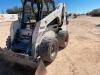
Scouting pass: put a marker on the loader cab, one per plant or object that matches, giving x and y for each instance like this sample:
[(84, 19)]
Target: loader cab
[(29, 14), (34, 11), (47, 8)]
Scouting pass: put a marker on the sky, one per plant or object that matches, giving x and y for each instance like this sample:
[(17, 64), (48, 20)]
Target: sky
[(72, 6)]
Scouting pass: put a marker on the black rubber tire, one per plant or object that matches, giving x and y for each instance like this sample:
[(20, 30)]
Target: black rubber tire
[(65, 38), (8, 42), (48, 49)]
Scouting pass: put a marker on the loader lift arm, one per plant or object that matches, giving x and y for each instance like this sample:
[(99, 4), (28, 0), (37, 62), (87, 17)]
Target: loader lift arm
[(41, 26)]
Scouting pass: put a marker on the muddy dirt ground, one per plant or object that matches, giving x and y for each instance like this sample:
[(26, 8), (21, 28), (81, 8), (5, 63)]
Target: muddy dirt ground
[(81, 56)]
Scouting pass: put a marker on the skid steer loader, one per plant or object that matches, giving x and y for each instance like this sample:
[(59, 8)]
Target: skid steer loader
[(37, 34)]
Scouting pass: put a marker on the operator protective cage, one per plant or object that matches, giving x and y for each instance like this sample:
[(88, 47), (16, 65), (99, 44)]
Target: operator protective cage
[(36, 1)]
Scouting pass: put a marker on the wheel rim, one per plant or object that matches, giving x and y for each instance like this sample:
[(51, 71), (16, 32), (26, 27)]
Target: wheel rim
[(53, 53)]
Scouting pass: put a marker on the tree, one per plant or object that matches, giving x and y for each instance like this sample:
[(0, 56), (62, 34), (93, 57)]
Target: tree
[(95, 12), (15, 10), (69, 14)]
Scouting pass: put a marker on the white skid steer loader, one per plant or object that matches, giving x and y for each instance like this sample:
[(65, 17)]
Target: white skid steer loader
[(37, 35)]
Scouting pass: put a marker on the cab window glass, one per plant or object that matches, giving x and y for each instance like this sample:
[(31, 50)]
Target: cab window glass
[(50, 5), (35, 9), (44, 7)]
